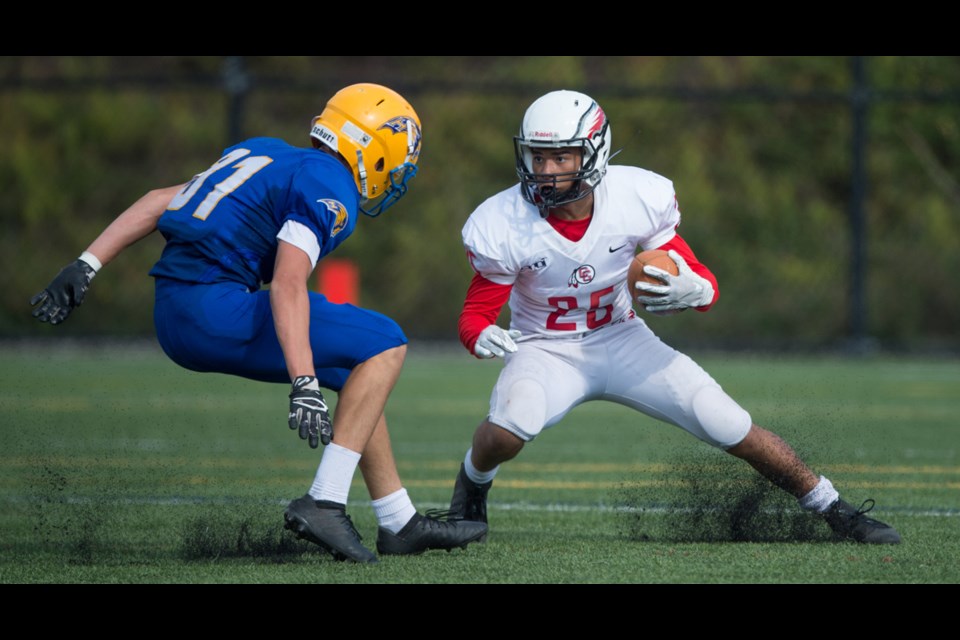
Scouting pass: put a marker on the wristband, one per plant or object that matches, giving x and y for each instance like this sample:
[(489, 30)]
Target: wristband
[(91, 260)]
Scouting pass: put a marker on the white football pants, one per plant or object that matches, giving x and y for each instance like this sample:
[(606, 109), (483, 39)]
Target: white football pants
[(624, 363)]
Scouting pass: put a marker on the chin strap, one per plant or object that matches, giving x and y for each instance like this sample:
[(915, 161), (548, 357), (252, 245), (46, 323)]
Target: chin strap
[(541, 205), (574, 192)]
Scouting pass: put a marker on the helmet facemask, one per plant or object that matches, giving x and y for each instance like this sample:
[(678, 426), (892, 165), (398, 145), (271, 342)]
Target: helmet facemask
[(396, 188), (541, 189)]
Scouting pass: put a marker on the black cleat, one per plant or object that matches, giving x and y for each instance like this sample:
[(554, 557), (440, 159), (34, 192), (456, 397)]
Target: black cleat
[(327, 524), (853, 524), (469, 501), (434, 530)]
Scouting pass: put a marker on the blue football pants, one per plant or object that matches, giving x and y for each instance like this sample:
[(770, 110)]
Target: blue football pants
[(223, 328)]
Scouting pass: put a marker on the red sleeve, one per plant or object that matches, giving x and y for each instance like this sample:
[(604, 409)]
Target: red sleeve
[(680, 245), (481, 308)]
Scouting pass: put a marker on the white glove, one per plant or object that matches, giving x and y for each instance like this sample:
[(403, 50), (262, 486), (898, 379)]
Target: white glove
[(679, 292), (494, 341)]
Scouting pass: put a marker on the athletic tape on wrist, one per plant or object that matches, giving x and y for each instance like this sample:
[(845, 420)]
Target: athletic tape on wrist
[(91, 260)]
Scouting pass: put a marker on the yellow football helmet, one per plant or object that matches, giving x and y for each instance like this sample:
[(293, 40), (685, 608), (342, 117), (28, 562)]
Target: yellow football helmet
[(378, 134)]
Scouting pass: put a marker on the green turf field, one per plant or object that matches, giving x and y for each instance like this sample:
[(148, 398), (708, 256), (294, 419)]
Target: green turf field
[(120, 467)]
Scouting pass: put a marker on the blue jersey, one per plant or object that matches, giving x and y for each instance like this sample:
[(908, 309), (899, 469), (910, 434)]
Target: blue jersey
[(222, 226)]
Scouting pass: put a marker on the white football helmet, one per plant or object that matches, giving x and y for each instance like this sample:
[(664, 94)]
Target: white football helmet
[(556, 120)]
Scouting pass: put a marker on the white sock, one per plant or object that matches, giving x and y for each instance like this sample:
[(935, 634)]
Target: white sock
[(480, 477), (335, 474), (394, 511), (820, 497)]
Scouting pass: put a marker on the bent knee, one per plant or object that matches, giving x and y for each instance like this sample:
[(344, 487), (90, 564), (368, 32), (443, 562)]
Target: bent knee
[(723, 422), (497, 442), (520, 408), (392, 357)]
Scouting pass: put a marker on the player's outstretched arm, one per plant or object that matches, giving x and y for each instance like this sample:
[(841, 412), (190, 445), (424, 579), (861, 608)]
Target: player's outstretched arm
[(137, 222), (67, 290)]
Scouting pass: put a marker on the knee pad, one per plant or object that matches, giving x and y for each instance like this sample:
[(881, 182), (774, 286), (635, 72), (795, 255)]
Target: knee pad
[(723, 422), (523, 410)]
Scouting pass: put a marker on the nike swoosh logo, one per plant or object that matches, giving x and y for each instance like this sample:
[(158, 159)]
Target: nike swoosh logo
[(611, 249)]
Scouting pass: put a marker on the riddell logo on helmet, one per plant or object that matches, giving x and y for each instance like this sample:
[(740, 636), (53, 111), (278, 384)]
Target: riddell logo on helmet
[(544, 134)]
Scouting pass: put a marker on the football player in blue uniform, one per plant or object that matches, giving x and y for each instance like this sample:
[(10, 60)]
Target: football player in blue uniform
[(268, 212)]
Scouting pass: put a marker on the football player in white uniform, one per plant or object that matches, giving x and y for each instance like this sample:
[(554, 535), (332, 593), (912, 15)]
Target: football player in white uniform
[(557, 246)]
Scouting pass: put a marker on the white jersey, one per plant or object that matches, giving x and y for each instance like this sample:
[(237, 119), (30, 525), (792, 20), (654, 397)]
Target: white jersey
[(563, 288)]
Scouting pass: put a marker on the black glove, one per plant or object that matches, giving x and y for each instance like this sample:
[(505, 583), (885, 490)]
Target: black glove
[(64, 294), (308, 412)]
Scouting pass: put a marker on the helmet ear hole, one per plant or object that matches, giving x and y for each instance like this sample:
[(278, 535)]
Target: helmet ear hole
[(380, 164)]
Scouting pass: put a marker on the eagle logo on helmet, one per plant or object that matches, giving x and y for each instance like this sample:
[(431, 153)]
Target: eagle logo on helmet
[(340, 214), (401, 124)]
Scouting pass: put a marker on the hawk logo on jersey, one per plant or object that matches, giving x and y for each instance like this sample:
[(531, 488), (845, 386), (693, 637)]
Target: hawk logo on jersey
[(584, 274), (340, 214), (401, 124)]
